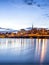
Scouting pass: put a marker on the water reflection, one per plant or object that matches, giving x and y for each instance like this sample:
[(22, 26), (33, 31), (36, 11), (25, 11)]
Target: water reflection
[(24, 50), (41, 48), (43, 51)]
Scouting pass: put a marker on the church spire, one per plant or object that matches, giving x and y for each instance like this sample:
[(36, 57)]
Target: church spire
[(32, 26)]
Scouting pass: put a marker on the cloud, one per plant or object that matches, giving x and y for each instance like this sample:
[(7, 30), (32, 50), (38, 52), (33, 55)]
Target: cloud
[(28, 2), (42, 4), (47, 15), (38, 3)]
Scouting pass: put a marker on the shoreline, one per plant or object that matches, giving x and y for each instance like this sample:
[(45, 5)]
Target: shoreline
[(28, 37)]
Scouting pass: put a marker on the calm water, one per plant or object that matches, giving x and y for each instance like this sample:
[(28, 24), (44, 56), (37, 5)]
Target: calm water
[(24, 50)]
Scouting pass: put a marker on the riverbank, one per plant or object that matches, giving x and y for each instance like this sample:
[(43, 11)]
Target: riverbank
[(32, 33), (24, 36), (29, 37)]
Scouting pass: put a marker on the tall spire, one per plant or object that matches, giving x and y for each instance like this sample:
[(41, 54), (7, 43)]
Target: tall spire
[(32, 26)]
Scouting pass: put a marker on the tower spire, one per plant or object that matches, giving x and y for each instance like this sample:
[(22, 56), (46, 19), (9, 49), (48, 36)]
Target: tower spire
[(32, 26)]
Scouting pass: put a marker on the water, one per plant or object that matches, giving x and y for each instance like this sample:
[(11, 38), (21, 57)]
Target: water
[(24, 50)]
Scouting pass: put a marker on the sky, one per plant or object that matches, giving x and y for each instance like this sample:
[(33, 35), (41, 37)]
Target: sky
[(18, 14)]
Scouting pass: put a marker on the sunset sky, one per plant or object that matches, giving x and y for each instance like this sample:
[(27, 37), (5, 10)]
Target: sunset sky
[(17, 14)]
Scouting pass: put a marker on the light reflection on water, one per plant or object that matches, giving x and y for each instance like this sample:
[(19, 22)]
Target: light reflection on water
[(24, 50)]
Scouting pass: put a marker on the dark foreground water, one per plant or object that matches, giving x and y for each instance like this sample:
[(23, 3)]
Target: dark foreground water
[(24, 50)]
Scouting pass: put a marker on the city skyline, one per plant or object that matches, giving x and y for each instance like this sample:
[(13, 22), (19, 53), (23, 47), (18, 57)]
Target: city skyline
[(16, 14)]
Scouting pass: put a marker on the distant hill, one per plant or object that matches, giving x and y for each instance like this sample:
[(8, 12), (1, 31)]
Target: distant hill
[(4, 30), (29, 28)]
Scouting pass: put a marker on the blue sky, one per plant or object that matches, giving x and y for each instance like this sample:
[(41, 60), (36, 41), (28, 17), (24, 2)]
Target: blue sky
[(17, 14)]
